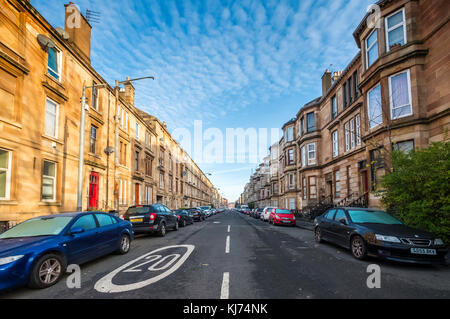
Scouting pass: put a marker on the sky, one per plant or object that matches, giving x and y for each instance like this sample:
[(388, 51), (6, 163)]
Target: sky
[(248, 64)]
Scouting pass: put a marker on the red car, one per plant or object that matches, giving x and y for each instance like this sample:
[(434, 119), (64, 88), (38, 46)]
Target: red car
[(282, 217)]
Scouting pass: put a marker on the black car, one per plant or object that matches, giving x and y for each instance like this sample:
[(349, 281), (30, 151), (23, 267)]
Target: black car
[(184, 217), (155, 218), (369, 232), (257, 213), (197, 214)]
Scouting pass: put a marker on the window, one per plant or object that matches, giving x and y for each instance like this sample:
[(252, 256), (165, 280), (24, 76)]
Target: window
[(148, 166), (302, 122), (349, 180), (122, 192), (86, 222), (126, 121), (372, 48), (291, 203), (161, 180), (291, 156), (337, 185), (93, 140), (148, 139), (374, 107), (335, 144), (350, 95), (122, 153), (312, 187), (148, 195), (340, 214), (395, 29), (330, 214), (291, 181), (104, 220), (344, 89), (310, 122), (54, 63), (122, 118), (303, 156), (355, 84), (358, 129), (334, 107), (347, 136), (311, 153), (289, 134), (305, 195), (49, 181), (400, 95), (377, 170), (405, 146), (51, 118), (94, 96), (136, 161), (352, 133), (5, 174), (137, 131)]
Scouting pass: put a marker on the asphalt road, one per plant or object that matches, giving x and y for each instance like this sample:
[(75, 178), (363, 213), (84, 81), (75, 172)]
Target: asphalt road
[(257, 261)]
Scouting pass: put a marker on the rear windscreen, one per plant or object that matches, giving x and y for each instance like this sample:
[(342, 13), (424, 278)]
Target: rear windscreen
[(133, 211)]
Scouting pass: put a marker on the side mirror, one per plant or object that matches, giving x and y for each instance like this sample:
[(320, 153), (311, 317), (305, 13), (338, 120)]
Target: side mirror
[(343, 221), (76, 230)]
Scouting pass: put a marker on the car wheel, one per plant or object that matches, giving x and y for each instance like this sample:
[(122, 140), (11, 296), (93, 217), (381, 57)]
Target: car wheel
[(47, 271), (358, 247), (162, 230), (318, 235), (176, 226), (124, 244), (184, 223)]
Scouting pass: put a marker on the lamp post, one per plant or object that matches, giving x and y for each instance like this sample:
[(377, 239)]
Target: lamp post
[(116, 130), (84, 108)]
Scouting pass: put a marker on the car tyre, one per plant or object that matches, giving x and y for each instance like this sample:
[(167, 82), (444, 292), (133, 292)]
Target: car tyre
[(175, 228), (47, 271), (358, 248), (162, 230), (124, 246), (318, 235), (184, 223)]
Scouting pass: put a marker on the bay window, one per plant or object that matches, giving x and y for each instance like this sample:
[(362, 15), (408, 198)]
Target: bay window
[(335, 143), (372, 48), (374, 107), (400, 95)]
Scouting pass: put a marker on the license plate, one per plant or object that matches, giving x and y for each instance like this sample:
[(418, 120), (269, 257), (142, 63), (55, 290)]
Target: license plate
[(423, 251), (137, 220), (287, 221)]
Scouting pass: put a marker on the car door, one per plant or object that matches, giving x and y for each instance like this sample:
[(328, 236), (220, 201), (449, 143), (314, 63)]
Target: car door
[(108, 233), (83, 247), (326, 224), (171, 216), (340, 231)]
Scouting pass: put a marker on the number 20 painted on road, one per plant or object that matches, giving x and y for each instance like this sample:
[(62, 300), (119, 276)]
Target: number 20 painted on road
[(174, 261)]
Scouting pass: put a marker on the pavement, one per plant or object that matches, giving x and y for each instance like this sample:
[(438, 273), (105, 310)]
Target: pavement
[(234, 256)]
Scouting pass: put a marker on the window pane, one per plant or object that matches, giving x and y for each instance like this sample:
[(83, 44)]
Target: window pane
[(396, 36), (375, 112), (395, 19), (104, 220), (47, 188), (310, 122), (53, 62), (400, 95), (3, 184), (50, 118), (86, 222), (4, 159), (372, 39), (49, 169), (406, 146), (372, 54)]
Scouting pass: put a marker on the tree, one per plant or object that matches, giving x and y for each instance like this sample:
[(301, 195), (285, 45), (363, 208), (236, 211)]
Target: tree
[(417, 190)]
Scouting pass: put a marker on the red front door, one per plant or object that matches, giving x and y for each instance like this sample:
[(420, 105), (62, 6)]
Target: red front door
[(93, 190)]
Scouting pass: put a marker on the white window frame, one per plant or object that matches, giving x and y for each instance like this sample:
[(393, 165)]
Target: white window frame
[(368, 107), (358, 129), (347, 137), (50, 177), (303, 155), (59, 62), (121, 118), (352, 134), (403, 24), (369, 48), (8, 176), (137, 130), (291, 181), (56, 118), (408, 77), (311, 159), (335, 136)]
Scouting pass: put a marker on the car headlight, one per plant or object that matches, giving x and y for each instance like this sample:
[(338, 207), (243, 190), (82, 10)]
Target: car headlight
[(391, 239), (438, 242), (7, 260)]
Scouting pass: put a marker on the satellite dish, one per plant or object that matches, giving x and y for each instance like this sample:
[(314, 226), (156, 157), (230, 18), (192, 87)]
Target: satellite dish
[(45, 41), (62, 33)]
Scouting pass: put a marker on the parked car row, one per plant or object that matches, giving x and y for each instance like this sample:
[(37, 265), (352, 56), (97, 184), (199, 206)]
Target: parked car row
[(36, 252), (365, 232)]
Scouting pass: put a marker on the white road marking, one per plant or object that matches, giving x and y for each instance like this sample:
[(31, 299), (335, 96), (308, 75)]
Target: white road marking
[(106, 285), (229, 228), (225, 292), (227, 245)]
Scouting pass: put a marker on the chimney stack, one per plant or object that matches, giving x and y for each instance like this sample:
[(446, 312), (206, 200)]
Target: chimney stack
[(128, 93), (79, 29), (326, 81)]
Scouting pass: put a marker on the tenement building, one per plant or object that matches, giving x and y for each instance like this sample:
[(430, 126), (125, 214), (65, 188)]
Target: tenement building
[(394, 94), (128, 159)]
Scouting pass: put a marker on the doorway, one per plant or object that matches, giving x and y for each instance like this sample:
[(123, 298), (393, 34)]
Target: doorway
[(93, 190)]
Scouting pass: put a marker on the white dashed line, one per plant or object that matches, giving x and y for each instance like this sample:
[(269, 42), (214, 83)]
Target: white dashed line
[(229, 228), (227, 245), (225, 292)]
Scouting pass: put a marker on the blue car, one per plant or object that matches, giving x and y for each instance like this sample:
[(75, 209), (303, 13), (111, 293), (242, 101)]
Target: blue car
[(37, 251)]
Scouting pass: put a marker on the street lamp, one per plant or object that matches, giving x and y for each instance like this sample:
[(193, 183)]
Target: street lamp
[(84, 108)]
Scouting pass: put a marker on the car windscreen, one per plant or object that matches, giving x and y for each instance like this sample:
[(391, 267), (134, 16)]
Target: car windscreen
[(204, 207), (41, 226), (283, 211), (134, 211), (374, 217)]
